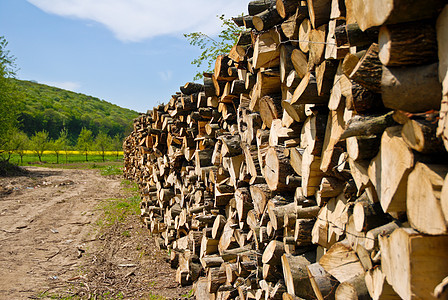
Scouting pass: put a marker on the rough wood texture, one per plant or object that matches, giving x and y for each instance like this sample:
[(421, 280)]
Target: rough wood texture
[(369, 13), (324, 285), (403, 88), (413, 263), (420, 135), (296, 276), (409, 44), (319, 11), (266, 19), (423, 199), (353, 289), (266, 53), (442, 44), (368, 70), (390, 169), (341, 262), (277, 169)]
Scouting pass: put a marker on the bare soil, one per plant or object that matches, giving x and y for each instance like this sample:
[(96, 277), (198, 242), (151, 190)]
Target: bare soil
[(51, 246)]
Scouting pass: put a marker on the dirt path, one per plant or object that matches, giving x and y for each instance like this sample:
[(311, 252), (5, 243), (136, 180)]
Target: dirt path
[(49, 242)]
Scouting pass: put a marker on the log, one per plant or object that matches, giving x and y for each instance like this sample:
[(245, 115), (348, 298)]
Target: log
[(324, 285), (215, 278), (290, 28), (402, 88), (277, 169), (191, 88), (442, 129), (258, 6), (286, 65), (267, 19), (311, 173), (363, 147), (270, 109), (266, 53), (303, 230), (300, 62), (423, 205), (273, 252), (372, 235), (295, 111), (245, 21), (393, 11), (333, 132), (414, 263), (368, 70), (304, 35), (368, 125), (378, 287), (359, 38), (306, 92), (420, 135), (444, 199), (408, 44), (325, 74), (336, 48), (278, 213), (286, 8), (231, 145), (442, 44), (317, 45), (319, 11), (367, 214), (390, 169), (341, 262), (353, 289), (296, 276)]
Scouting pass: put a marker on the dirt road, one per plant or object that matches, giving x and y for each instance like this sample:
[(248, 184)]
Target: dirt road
[(49, 242)]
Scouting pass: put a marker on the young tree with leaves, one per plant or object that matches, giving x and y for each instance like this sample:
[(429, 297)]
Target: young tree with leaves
[(85, 141), (60, 144), (213, 47), (16, 142), (21, 143), (64, 142), (102, 143), (117, 143), (40, 142), (9, 95)]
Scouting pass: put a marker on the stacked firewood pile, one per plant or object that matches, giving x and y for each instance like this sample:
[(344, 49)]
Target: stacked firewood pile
[(312, 162)]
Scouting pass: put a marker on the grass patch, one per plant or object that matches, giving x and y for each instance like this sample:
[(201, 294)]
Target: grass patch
[(72, 157), (116, 210), (152, 296), (111, 170), (189, 294)]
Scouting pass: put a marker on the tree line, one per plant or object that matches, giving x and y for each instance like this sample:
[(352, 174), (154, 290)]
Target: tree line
[(19, 143)]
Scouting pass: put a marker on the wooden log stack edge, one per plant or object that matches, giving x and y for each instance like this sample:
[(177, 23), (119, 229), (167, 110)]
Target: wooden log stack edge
[(312, 162)]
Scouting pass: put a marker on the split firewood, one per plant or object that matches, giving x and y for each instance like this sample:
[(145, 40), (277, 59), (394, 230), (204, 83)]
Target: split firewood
[(296, 276), (390, 169), (423, 198), (408, 270)]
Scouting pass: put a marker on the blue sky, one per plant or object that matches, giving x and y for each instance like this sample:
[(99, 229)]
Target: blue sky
[(128, 52)]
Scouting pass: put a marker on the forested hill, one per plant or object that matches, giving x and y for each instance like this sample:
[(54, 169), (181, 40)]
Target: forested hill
[(52, 109)]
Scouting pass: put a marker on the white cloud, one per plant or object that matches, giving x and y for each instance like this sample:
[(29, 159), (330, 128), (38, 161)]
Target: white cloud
[(166, 75), (136, 20), (66, 85)]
